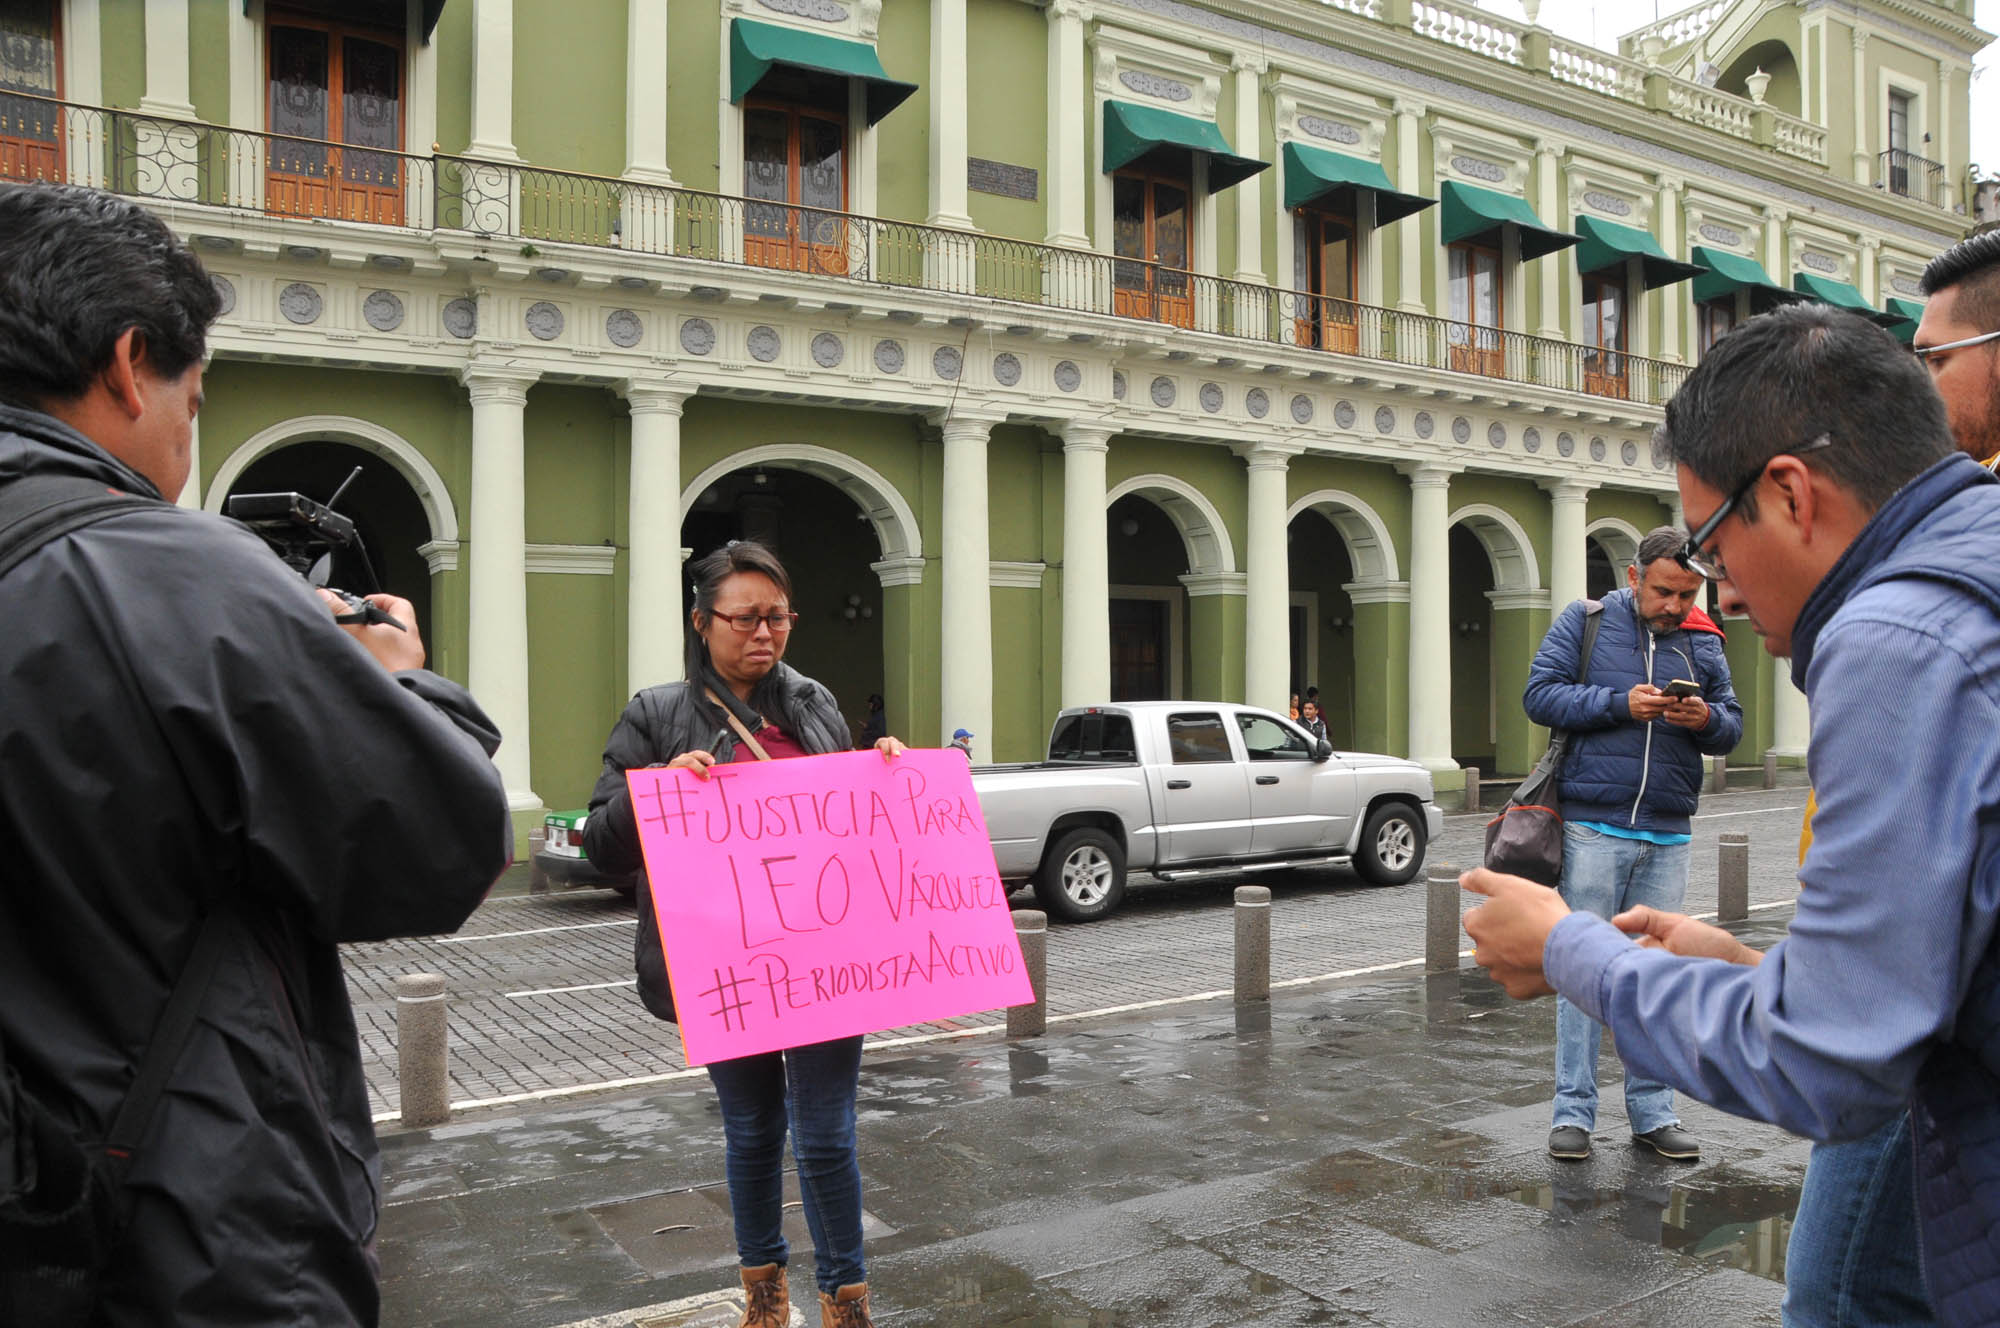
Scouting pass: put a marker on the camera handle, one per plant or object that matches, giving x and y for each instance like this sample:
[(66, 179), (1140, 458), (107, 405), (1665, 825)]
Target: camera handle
[(362, 611)]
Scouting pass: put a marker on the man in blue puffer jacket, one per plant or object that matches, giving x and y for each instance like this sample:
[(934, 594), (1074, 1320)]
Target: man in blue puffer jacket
[(1630, 781)]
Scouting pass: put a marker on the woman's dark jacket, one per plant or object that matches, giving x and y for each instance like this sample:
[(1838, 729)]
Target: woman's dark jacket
[(659, 724)]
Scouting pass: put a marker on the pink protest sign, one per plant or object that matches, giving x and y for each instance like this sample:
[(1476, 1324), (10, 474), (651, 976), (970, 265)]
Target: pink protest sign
[(824, 896)]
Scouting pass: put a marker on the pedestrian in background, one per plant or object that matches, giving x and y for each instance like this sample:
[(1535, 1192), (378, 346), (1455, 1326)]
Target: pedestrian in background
[(876, 726), (962, 740), (741, 702), (1310, 721)]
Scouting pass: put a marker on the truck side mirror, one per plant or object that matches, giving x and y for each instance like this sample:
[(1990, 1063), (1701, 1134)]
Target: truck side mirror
[(1322, 750)]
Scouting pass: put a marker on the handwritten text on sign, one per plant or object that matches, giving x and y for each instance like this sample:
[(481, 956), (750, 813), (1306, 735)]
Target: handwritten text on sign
[(824, 896)]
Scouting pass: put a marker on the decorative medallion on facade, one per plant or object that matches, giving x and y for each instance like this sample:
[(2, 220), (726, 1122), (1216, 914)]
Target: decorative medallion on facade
[(1006, 368), (1628, 452), (1258, 402), (1461, 429), (889, 356), (623, 328), (1531, 439), (1331, 130), (1068, 377), (1154, 85), (1163, 391), (461, 318), (1566, 443), (1474, 168), (1819, 262), (225, 292), (1900, 284), (1597, 449), (1424, 424), (1118, 388), (1603, 202), (300, 303), (1385, 420), (697, 336), (763, 343), (823, 11), (1302, 408), (1211, 397), (1344, 414), (383, 311), (828, 350), (1718, 234), (544, 320), (1496, 434), (946, 362)]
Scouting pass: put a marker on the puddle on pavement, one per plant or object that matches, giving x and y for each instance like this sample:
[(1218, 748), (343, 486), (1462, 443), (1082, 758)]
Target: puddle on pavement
[(1745, 1227)]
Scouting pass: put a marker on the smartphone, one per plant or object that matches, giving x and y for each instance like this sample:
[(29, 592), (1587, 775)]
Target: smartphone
[(1681, 688)]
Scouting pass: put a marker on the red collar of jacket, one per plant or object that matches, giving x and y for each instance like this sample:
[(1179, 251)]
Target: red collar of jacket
[(1697, 621)]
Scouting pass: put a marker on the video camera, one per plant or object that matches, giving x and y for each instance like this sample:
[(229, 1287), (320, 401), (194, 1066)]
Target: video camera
[(306, 535)]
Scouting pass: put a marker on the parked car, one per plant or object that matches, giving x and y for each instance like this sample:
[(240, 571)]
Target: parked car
[(1184, 789), (561, 858)]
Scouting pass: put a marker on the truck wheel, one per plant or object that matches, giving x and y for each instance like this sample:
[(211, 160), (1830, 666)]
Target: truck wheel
[(1082, 876), (1392, 846)]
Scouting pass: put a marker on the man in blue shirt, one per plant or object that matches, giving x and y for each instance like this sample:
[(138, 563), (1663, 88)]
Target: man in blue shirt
[(1653, 700), (1829, 502)]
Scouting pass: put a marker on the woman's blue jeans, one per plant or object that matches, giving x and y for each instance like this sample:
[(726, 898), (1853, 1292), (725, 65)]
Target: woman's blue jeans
[(811, 1089), (1852, 1260)]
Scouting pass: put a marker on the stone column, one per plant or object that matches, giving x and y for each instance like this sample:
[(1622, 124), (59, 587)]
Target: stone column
[(1267, 606), (1948, 73), (1864, 99), (949, 206), (1674, 304), (1216, 635), (1791, 724), (167, 60), (646, 92), (1520, 620), (1430, 617), (493, 81), (1070, 103), (1381, 666), (1409, 233), (1548, 191), (497, 671), (1249, 70), (966, 678), (1865, 269), (1777, 246), (655, 614), (1570, 552), (1086, 584)]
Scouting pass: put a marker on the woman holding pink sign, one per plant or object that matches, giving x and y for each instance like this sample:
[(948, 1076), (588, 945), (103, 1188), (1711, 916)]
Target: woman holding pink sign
[(742, 703)]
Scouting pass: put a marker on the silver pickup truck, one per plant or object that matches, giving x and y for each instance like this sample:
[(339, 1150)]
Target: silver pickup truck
[(1190, 788)]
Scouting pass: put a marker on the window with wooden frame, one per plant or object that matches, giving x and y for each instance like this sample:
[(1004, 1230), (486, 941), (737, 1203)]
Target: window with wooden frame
[(1152, 232), (31, 146), (1604, 336), (1475, 332), (1713, 320), (336, 92), (1899, 141), (795, 165), (1323, 260)]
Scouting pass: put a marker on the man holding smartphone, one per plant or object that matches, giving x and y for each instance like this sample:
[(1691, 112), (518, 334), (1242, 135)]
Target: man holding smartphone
[(1655, 698)]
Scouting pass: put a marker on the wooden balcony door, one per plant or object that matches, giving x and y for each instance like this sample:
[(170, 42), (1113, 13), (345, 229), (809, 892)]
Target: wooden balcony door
[(1152, 226), (795, 173), (1324, 263), (31, 146), (343, 89), (1476, 330), (1604, 364)]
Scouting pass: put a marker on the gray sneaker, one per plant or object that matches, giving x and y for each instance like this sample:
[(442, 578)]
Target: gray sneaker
[(1671, 1141), (1571, 1143)]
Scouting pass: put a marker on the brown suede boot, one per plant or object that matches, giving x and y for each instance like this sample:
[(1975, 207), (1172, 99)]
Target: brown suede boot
[(846, 1308), (766, 1302)]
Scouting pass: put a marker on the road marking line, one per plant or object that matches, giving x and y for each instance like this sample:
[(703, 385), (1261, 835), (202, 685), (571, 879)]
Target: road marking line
[(558, 991), (536, 931), (1716, 816)]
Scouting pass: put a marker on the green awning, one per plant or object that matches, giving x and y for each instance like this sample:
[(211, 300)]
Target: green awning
[(1728, 273), (1910, 312), (1477, 215), (757, 48), (1312, 173), (1132, 131), (1841, 296), (1607, 244), (383, 13)]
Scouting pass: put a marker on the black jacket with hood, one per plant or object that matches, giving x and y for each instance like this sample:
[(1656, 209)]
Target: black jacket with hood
[(183, 728)]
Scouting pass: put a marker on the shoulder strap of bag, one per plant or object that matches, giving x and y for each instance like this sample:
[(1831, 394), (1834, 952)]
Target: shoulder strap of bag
[(1593, 618), (38, 508), (737, 724)]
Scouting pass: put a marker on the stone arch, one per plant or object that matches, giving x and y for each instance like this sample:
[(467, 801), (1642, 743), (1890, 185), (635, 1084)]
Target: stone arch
[(1207, 539), (894, 520), (1369, 548), (392, 447), (1507, 546), (1619, 540)]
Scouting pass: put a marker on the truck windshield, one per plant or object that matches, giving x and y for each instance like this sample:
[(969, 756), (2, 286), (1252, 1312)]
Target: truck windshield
[(1093, 738)]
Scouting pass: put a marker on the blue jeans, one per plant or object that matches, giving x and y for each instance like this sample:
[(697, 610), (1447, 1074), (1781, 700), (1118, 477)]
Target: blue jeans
[(1605, 874), (811, 1088), (1852, 1261)]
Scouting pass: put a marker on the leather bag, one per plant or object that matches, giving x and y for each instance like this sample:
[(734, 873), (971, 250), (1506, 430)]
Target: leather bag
[(1526, 838)]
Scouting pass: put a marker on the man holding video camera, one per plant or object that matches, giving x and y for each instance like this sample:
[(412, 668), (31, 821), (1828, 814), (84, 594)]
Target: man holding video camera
[(1653, 699), (208, 785)]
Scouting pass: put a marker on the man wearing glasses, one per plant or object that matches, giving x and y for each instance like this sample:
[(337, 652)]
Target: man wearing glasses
[(1818, 471), (1959, 341)]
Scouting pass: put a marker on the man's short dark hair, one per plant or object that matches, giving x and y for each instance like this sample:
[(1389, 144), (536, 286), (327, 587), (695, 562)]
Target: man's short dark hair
[(1786, 377), (1971, 268), (77, 268), (1669, 542)]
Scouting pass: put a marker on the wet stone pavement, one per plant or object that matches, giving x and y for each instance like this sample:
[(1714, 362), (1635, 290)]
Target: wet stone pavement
[(1367, 1153)]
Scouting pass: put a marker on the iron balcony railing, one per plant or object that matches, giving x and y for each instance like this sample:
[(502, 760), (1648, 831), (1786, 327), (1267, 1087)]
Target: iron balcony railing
[(1908, 174), (189, 162)]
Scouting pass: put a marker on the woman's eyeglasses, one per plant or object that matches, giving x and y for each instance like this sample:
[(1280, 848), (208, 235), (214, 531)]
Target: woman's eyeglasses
[(746, 623)]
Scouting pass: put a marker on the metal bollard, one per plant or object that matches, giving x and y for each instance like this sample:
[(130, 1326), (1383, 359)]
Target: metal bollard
[(1253, 943), (538, 880), (1718, 774), (1471, 788), (1031, 928), (1732, 877), (1771, 769), (420, 1049), (1441, 918)]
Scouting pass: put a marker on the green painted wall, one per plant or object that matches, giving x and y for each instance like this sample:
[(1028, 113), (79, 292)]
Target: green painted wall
[(1009, 117), (1382, 678), (1750, 673), (694, 89), (569, 81), (1215, 647), (1641, 511), (122, 50), (208, 78), (903, 137), (453, 42)]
